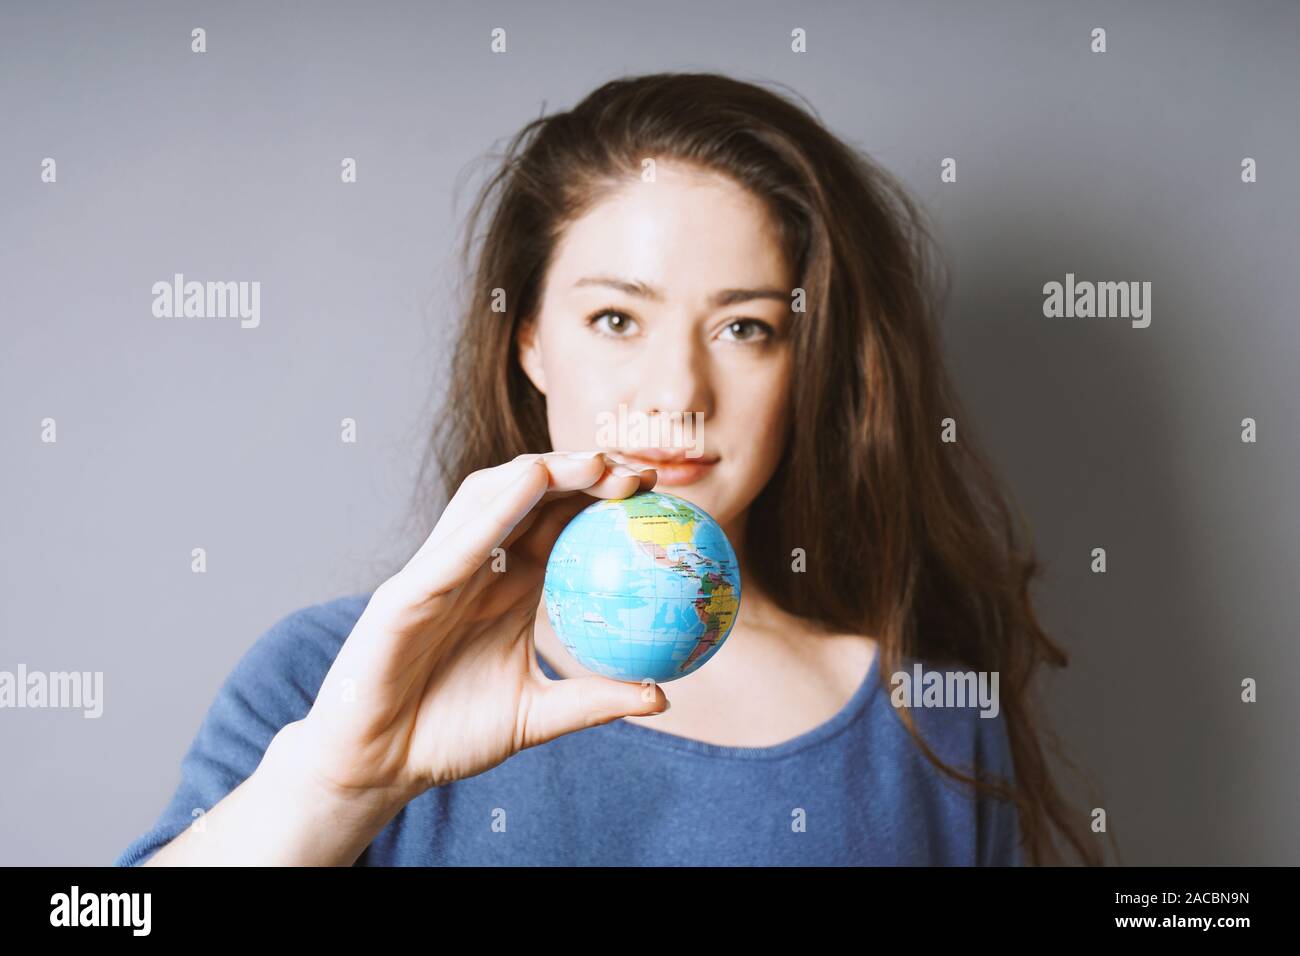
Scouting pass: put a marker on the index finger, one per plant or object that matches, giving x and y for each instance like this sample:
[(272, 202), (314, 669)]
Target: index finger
[(566, 473), (614, 482)]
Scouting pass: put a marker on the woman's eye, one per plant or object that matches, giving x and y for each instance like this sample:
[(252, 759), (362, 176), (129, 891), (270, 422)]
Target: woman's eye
[(612, 323), (748, 330)]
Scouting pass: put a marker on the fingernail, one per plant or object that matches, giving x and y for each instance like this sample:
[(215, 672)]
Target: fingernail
[(627, 463), (667, 707)]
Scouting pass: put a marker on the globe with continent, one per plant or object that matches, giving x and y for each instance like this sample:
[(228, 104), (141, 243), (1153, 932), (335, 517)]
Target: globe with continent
[(645, 587)]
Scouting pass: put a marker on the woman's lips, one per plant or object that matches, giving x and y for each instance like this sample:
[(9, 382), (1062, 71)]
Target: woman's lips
[(676, 470)]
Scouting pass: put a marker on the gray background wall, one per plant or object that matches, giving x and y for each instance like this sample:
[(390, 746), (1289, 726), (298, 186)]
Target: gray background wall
[(175, 434)]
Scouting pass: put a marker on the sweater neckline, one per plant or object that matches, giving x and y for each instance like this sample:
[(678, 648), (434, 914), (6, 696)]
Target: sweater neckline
[(809, 738)]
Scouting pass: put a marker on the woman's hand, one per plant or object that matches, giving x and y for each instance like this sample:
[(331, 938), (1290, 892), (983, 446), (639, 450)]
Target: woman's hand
[(439, 679)]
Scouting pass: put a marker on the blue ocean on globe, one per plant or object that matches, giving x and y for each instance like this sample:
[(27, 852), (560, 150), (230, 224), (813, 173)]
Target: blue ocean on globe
[(642, 587)]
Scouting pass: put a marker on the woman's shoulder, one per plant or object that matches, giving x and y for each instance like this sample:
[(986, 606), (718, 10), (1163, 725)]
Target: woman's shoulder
[(336, 615), (328, 621), (305, 640), (957, 709), (274, 683)]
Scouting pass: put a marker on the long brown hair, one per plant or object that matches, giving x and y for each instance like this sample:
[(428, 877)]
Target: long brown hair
[(908, 538)]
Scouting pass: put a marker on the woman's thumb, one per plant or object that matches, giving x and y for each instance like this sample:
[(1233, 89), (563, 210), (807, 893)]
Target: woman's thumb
[(562, 706)]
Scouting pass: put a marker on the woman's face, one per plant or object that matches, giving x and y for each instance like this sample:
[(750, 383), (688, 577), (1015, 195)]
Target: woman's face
[(664, 329)]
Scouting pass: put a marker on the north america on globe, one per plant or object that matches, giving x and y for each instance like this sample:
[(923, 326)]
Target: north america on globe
[(646, 587)]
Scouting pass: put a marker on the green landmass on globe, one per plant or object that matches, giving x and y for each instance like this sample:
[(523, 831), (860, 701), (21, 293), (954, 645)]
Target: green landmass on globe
[(646, 587)]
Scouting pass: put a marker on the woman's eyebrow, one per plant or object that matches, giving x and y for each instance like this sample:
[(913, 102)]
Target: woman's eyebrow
[(723, 298)]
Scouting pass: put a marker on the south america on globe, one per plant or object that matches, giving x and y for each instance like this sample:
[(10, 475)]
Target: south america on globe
[(645, 587)]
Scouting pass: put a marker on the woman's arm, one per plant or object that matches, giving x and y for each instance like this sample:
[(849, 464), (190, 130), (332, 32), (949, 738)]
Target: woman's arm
[(436, 681), (280, 816)]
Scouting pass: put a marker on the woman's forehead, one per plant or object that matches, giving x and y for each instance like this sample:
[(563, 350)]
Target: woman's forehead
[(664, 241)]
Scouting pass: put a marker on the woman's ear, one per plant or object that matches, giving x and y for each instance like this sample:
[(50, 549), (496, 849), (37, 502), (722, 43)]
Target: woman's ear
[(530, 353)]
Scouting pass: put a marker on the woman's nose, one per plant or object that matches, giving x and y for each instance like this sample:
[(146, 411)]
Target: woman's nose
[(674, 379)]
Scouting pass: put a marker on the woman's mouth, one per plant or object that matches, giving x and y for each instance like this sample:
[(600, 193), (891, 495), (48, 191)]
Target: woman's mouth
[(673, 468)]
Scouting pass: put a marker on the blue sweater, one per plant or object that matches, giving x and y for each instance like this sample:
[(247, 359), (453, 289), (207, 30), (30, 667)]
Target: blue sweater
[(855, 790)]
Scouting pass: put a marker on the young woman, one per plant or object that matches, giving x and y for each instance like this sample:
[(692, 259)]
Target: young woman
[(675, 244)]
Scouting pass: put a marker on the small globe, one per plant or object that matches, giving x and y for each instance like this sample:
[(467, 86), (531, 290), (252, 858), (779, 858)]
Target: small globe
[(642, 587)]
